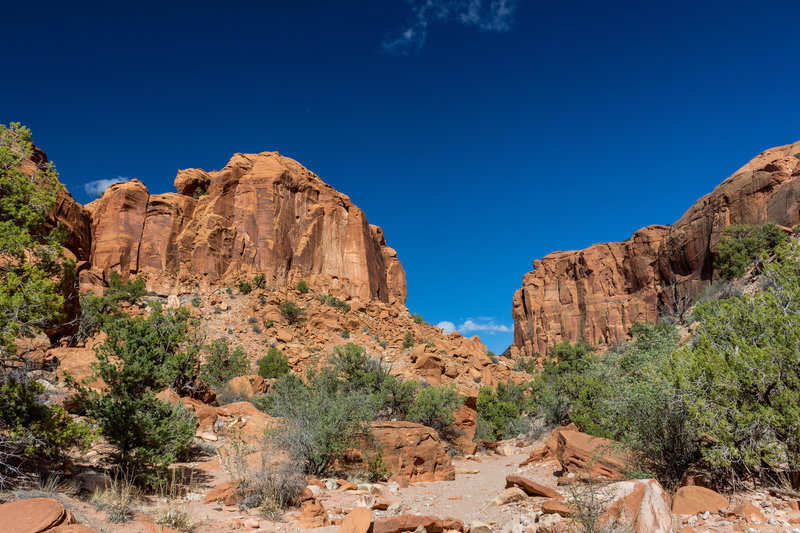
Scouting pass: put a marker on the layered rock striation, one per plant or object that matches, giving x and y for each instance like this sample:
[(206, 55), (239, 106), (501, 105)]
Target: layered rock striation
[(599, 292), (261, 214)]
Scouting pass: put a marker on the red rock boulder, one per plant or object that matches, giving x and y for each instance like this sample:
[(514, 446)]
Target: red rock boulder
[(413, 451)]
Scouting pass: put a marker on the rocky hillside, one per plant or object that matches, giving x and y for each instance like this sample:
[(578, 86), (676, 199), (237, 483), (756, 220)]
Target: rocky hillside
[(265, 214), (598, 292)]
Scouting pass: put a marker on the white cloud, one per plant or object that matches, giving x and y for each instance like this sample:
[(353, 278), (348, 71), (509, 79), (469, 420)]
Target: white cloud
[(93, 188), (446, 326), (486, 15), (483, 324)]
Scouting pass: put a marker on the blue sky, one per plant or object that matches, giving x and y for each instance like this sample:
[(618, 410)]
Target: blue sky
[(479, 134)]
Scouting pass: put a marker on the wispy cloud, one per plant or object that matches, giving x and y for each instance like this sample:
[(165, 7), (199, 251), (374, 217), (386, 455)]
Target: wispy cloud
[(93, 188), (486, 15), (483, 324)]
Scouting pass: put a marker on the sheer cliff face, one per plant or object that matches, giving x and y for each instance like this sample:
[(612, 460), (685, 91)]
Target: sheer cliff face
[(597, 293), (262, 213)]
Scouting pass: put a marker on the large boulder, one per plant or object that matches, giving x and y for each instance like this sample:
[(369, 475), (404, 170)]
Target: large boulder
[(532, 488), (598, 458), (693, 499), (410, 522), (33, 515), (357, 520), (312, 515), (641, 506), (413, 451)]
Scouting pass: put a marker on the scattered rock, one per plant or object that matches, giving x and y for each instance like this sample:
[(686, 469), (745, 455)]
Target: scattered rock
[(532, 488), (312, 514), (33, 515), (512, 494), (556, 507)]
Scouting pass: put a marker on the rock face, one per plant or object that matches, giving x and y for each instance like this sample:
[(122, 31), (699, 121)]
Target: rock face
[(597, 293), (33, 515), (262, 213), (413, 451)]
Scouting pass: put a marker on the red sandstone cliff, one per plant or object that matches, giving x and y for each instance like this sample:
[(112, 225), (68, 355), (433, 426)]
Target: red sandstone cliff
[(263, 213), (597, 293)]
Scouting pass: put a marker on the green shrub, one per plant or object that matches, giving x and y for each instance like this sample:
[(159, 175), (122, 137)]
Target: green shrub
[(741, 245), (417, 318), (140, 357), (334, 302), (96, 309), (564, 375), (408, 340), (222, 365), (260, 281), (196, 302), (245, 287), (526, 364), (198, 193), (740, 377), (302, 287), (274, 364), (434, 406), (321, 420), (797, 155), (345, 333), (37, 429), (501, 410), (291, 312)]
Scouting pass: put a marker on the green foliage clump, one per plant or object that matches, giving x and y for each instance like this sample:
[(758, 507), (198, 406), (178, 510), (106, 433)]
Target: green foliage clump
[(500, 411), (526, 364), (292, 312), (434, 406), (417, 318), (34, 270), (260, 281), (38, 429), (302, 287), (222, 364), (741, 245), (140, 357), (742, 372), (95, 309), (245, 287), (274, 364), (334, 302), (563, 377), (408, 340), (321, 419), (199, 192)]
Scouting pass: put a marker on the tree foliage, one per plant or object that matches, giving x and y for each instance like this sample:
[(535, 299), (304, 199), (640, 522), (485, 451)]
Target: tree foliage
[(222, 364), (274, 364), (741, 245)]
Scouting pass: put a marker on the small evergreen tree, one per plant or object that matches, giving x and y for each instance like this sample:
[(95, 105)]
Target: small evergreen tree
[(222, 365), (274, 364)]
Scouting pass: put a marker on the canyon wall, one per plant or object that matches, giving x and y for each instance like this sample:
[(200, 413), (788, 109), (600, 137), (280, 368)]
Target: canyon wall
[(599, 292)]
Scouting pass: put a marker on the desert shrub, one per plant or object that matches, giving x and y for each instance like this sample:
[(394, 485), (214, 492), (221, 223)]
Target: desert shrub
[(631, 397), (434, 406), (501, 411), (196, 302), (222, 364), (408, 340), (245, 287), (741, 245), (95, 309), (199, 192), (397, 397), (140, 357), (718, 290), (740, 377), (302, 287), (345, 333), (563, 376), (322, 419), (260, 281), (334, 302), (116, 499), (36, 428), (291, 312), (357, 370), (274, 364), (526, 364), (417, 318)]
